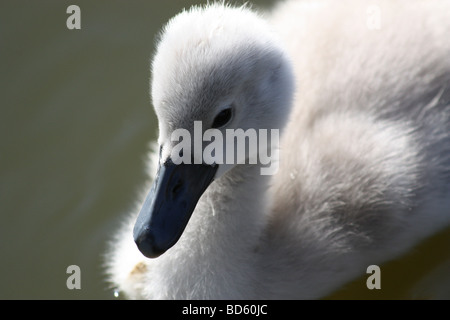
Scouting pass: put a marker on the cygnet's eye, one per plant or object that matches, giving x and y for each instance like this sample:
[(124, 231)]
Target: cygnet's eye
[(222, 118)]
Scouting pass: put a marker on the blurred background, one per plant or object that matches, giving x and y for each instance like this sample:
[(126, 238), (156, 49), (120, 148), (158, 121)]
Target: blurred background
[(75, 123)]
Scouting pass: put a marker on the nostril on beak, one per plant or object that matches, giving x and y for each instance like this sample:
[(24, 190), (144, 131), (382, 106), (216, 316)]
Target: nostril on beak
[(177, 188)]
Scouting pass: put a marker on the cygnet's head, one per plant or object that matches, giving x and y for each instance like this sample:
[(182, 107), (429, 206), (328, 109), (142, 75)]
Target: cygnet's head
[(221, 67)]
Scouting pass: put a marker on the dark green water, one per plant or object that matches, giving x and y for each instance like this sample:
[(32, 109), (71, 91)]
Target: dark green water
[(75, 121)]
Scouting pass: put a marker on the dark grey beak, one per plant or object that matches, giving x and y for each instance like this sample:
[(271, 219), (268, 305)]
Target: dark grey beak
[(169, 205)]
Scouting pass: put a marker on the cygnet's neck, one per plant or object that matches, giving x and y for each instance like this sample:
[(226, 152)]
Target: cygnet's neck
[(215, 250), (233, 208)]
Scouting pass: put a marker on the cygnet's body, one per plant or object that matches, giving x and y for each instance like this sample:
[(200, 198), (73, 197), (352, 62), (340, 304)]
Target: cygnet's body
[(364, 163)]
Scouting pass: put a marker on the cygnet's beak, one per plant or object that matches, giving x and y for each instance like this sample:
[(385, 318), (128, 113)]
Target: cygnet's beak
[(169, 205)]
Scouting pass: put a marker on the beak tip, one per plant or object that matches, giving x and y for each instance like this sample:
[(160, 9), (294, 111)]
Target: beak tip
[(146, 244)]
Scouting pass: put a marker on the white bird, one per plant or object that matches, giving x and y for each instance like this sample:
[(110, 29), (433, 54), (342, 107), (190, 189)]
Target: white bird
[(362, 94)]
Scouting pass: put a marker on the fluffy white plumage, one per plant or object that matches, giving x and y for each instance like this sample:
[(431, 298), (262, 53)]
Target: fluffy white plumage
[(364, 158)]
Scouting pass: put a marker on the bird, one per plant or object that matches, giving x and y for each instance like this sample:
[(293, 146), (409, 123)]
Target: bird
[(360, 95)]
